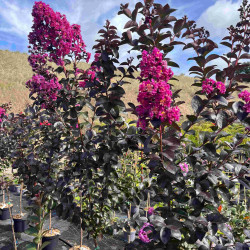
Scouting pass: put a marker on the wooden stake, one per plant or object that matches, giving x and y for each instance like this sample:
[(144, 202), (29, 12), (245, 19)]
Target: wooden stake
[(3, 188), (148, 199), (21, 194), (50, 228), (81, 219), (11, 221)]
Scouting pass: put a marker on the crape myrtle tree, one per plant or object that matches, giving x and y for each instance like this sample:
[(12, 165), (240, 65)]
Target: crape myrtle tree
[(191, 180), (60, 159), (73, 136)]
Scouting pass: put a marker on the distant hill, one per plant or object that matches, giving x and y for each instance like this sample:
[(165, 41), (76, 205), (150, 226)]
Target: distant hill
[(15, 71)]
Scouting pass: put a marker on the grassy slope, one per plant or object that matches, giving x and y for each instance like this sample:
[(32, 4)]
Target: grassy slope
[(15, 71)]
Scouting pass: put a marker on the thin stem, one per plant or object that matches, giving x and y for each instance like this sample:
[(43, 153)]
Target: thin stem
[(161, 141), (141, 168)]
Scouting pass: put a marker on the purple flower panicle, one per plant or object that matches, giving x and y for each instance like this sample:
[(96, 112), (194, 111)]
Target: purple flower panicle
[(155, 95)]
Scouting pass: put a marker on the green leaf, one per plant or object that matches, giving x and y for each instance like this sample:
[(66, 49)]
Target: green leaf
[(31, 246), (34, 218), (45, 244), (32, 231)]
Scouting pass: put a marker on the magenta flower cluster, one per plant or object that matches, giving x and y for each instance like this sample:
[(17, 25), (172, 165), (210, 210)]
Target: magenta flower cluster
[(37, 61), (90, 74), (143, 235), (46, 89), (151, 210), (211, 86), (155, 95), (52, 32), (2, 113), (184, 168), (153, 66), (245, 96)]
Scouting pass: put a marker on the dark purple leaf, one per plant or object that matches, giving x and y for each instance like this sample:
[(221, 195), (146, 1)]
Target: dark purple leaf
[(165, 234)]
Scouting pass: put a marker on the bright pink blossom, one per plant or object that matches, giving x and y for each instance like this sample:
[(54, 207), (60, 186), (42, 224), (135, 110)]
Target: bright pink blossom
[(143, 234), (45, 123), (155, 95), (184, 168), (45, 88), (209, 86), (151, 210), (245, 96), (52, 32), (2, 113)]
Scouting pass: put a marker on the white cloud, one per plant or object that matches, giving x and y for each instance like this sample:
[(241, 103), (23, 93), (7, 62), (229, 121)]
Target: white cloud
[(18, 19), (218, 17)]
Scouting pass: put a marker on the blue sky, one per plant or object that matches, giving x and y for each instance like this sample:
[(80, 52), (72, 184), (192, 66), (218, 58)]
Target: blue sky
[(16, 20)]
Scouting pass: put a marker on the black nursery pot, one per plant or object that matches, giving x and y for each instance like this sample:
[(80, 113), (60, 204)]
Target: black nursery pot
[(53, 242), (20, 225), (4, 213), (12, 188)]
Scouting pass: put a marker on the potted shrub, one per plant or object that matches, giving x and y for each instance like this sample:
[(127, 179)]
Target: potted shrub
[(81, 246), (52, 234), (20, 224), (129, 232), (12, 187), (4, 207)]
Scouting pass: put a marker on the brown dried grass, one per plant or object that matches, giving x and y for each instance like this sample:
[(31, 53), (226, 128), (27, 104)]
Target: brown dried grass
[(15, 71)]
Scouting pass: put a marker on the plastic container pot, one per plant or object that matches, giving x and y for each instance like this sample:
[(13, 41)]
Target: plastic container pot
[(20, 225), (53, 241), (4, 213), (12, 188), (129, 236)]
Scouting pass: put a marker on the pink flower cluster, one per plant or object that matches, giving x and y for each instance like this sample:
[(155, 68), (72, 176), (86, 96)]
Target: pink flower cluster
[(45, 123), (184, 168), (2, 114), (153, 66), (245, 96), (38, 61), (46, 89), (90, 74), (143, 235), (52, 32), (155, 95), (209, 86), (151, 210)]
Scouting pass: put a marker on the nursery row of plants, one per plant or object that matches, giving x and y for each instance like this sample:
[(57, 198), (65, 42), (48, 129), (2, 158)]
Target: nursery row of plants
[(183, 182)]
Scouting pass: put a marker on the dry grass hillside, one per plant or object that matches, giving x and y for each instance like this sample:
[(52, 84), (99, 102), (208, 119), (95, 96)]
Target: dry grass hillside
[(15, 71)]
